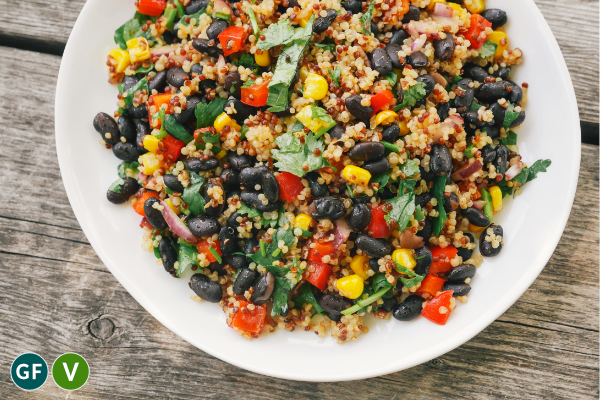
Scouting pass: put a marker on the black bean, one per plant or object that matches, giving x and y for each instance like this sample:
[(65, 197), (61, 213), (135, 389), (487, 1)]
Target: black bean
[(498, 111), (372, 246), (176, 76), (459, 289), (205, 288), (488, 153), (417, 60), (413, 14), (263, 289), (462, 272), (236, 261), (138, 112), (422, 199), (424, 259), (249, 177), (333, 306), (244, 281), (472, 118), (355, 108), (204, 46), (173, 183), (427, 230), (465, 97), (440, 162), (359, 217), (502, 73), (203, 226), (428, 81), (444, 48), (475, 217), (391, 133), (197, 165), (129, 81), (212, 210), (427, 176), (228, 240), (392, 50), (127, 128), (187, 114), (168, 254), (125, 151), (374, 28), (230, 176), (387, 193), (243, 111), (497, 17), (270, 186), (364, 199), (486, 248), (365, 151), (389, 304), (233, 85), (218, 268), (492, 91), (216, 27), (105, 124), (337, 131), (125, 191), (409, 309), (232, 220), (154, 216), (321, 24), (463, 251), (399, 36), (377, 167), (316, 189), (328, 207), (170, 38), (475, 72), (380, 61), (501, 159), (251, 199), (519, 120), (515, 95), (195, 6), (206, 85), (492, 131), (159, 81), (354, 6), (239, 161)]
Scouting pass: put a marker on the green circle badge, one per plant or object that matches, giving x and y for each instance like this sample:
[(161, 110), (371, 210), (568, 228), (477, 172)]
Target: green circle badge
[(70, 371), (29, 371)]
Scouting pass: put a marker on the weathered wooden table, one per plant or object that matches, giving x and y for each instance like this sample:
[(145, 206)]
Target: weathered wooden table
[(56, 296)]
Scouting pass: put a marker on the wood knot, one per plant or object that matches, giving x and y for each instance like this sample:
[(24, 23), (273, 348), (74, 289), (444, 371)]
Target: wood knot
[(101, 328), (436, 362)]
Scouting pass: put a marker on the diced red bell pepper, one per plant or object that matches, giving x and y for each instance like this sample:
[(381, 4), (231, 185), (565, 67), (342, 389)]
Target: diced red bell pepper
[(209, 130), (378, 227), (321, 250), (154, 8), (158, 100), (256, 95), (438, 309), (138, 206), (319, 276), (443, 257), (476, 33), (381, 99), (203, 248), (431, 285), (252, 321), (146, 224), (290, 186), (232, 39), (171, 148)]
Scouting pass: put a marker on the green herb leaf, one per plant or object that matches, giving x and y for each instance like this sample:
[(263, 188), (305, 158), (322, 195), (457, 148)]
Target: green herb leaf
[(223, 16), (438, 190), (248, 83), (321, 114), (536, 168), (282, 290), (306, 296), (297, 127), (142, 70), (277, 34), (382, 179), (253, 20), (392, 78), (142, 84), (403, 209), (192, 195), (510, 116), (188, 255), (469, 151), (325, 46), (215, 254), (475, 106), (419, 214), (292, 155), (195, 16), (335, 75), (176, 129), (117, 186), (132, 29), (410, 168), (365, 19), (278, 98), (413, 95), (487, 49), (251, 212), (510, 140), (408, 282), (207, 113), (132, 167), (267, 259)]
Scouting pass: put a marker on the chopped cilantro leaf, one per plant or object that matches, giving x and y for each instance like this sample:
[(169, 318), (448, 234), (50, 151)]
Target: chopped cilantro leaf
[(117, 186), (403, 209), (335, 75), (439, 187), (192, 195), (412, 96), (306, 296), (510, 140), (188, 255), (207, 113), (270, 255), (487, 49), (392, 78), (510, 116), (292, 155), (365, 19)]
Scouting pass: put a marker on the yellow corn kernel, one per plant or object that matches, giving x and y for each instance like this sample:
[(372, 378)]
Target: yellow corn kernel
[(303, 73), (456, 6), (475, 6), (303, 221), (224, 120), (432, 3), (405, 258), (176, 210), (356, 175), (350, 286), (404, 129), (315, 87), (221, 154), (385, 117), (476, 229), (501, 39), (263, 59), (121, 57), (305, 116), (151, 143), (304, 20), (360, 266), (150, 163), (496, 198), (138, 49)]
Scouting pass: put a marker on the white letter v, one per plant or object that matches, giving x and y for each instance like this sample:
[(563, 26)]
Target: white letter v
[(70, 376)]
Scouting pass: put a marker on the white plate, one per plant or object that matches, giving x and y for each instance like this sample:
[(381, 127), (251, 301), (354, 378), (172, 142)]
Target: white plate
[(533, 222)]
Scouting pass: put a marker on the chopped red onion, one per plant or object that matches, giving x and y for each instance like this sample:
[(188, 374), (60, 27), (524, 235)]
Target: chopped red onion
[(479, 204), (467, 171), (442, 9), (176, 224), (446, 21), (341, 232), (418, 44), (513, 171)]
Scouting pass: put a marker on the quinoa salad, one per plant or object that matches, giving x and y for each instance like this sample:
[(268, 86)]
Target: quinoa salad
[(305, 163)]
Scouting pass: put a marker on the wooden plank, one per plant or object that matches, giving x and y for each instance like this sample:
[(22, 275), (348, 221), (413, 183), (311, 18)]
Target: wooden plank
[(57, 296), (45, 25)]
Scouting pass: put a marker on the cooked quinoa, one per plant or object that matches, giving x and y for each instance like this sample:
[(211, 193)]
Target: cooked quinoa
[(305, 163)]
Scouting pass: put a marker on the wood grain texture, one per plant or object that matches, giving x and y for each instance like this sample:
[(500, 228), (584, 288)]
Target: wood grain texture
[(45, 25), (57, 296)]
